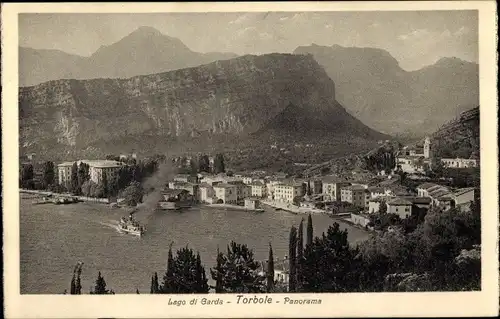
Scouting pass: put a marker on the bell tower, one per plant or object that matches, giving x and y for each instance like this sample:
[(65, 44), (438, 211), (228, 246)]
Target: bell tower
[(427, 148)]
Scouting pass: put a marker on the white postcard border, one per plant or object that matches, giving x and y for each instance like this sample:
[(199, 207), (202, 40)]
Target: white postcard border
[(436, 304)]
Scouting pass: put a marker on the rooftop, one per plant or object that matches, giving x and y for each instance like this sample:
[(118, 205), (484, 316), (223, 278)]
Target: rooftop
[(224, 185), (462, 191), (399, 202), (426, 185), (355, 188), (94, 163)]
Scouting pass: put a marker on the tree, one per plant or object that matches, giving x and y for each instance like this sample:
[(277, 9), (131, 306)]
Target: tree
[(185, 274), (327, 263), (155, 288), (204, 164), (76, 286), (382, 207), (133, 194), (26, 176), (100, 286), (218, 272), (219, 166), (83, 174), (75, 189), (296, 200), (48, 174), (193, 168), (300, 253), (168, 278), (309, 190), (104, 183), (112, 184), (238, 271), (292, 283), (86, 188), (309, 238), (270, 270)]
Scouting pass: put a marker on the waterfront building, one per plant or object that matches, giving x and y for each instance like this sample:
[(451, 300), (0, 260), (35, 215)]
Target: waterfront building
[(252, 203), (332, 187), (190, 187), (258, 190), (227, 193), (286, 192), (97, 168), (356, 195), (206, 193), (242, 190)]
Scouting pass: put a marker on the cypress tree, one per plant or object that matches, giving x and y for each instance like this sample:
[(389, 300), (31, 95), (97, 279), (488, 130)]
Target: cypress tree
[(198, 275), (72, 290), (270, 270), (293, 260), (300, 253), (155, 287), (105, 184), (218, 270), (168, 278), (309, 231), (152, 289), (74, 179), (78, 285)]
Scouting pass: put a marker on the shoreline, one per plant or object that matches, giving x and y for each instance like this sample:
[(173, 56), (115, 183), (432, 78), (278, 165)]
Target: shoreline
[(235, 207)]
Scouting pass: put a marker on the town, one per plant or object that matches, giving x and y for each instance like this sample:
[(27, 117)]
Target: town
[(204, 180)]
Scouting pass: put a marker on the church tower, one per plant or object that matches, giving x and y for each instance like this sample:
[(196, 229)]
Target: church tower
[(427, 148)]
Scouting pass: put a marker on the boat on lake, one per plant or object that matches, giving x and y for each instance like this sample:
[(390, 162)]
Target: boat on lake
[(131, 226)]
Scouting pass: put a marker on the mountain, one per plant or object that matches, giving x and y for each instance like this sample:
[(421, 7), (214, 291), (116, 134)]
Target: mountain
[(459, 137), (375, 89), (250, 97), (37, 66), (144, 51)]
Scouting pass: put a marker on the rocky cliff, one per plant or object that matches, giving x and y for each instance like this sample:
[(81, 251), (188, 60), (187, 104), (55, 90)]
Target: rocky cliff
[(245, 96), (375, 89), (459, 137)]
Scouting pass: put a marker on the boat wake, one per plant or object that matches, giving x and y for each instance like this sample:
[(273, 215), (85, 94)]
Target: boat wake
[(111, 224)]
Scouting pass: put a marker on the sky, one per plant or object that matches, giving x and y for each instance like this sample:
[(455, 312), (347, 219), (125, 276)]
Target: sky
[(414, 38)]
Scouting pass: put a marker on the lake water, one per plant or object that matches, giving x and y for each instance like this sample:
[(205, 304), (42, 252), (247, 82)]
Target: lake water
[(54, 238)]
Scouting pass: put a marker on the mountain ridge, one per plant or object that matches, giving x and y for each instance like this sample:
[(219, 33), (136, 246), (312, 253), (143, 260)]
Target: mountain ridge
[(143, 51), (375, 89), (202, 101)]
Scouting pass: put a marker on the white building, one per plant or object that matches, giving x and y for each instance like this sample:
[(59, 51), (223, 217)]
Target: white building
[(97, 168), (287, 192), (459, 162), (206, 193), (258, 190)]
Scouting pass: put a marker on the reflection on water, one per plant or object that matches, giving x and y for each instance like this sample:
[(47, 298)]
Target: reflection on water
[(54, 238)]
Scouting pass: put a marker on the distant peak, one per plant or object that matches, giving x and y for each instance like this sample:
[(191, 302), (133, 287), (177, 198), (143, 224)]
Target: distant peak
[(147, 29), (450, 60)]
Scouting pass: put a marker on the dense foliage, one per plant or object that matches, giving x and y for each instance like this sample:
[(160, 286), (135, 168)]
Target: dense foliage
[(237, 271)]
